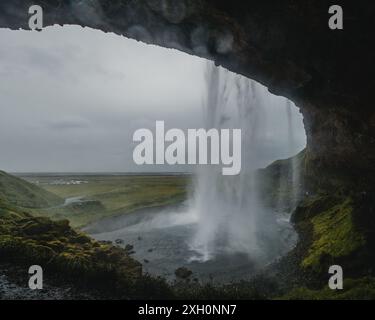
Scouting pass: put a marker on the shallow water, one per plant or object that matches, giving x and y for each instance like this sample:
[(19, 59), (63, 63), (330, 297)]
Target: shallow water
[(162, 240)]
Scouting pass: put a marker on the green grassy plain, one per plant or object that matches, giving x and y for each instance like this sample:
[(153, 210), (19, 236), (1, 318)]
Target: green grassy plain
[(111, 195)]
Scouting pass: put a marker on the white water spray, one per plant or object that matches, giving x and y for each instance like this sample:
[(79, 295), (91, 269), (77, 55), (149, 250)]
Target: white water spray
[(231, 218), (294, 172), (289, 183)]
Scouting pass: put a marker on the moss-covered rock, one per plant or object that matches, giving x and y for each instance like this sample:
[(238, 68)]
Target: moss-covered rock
[(63, 252), (334, 235), (332, 231)]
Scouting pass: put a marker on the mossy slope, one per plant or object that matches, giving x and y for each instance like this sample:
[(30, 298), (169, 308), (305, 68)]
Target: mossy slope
[(67, 256), (334, 235), (62, 251), (21, 193), (354, 289)]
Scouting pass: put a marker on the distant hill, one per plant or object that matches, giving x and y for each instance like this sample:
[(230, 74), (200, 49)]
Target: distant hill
[(21, 193), (275, 181)]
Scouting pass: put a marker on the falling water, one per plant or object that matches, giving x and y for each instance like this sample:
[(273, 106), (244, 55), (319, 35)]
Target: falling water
[(289, 179), (231, 219), (225, 231), (294, 174)]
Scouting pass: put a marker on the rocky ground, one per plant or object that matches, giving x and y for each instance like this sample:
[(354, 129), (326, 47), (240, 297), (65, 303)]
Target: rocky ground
[(14, 286)]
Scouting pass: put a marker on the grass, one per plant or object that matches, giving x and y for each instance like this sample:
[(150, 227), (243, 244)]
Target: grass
[(24, 194), (67, 253), (113, 195), (354, 289), (62, 251)]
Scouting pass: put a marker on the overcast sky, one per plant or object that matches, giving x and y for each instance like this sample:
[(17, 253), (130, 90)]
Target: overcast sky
[(71, 99)]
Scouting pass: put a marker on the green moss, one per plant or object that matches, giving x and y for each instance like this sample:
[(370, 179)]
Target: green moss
[(354, 289), (333, 234), (27, 240)]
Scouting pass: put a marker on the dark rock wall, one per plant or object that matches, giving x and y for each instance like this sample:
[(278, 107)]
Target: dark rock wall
[(286, 45)]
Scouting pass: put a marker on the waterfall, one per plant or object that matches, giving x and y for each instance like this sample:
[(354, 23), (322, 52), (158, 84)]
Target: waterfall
[(294, 174), (290, 181), (231, 218)]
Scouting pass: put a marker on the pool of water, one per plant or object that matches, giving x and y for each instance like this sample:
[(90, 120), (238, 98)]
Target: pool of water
[(161, 241)]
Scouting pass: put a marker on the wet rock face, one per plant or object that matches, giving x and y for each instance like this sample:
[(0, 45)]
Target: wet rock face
[(286, 45), (341, 146)]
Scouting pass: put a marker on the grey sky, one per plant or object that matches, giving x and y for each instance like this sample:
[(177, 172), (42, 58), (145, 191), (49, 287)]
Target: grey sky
[(71, 99)]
